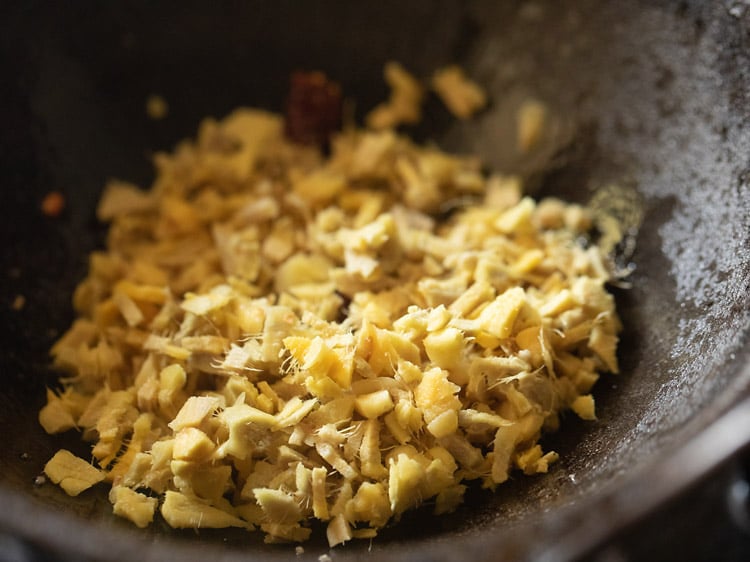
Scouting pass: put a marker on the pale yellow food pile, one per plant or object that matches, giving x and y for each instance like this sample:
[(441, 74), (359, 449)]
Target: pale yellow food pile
[(272, 337)]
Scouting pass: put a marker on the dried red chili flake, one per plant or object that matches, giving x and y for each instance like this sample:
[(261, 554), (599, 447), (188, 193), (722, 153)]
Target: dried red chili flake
[(313, 108), (53, 204)]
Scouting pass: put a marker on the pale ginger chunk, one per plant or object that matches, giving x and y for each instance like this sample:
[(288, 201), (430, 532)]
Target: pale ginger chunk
[(558, 303), (241, 421), (142, 293), (604, 345), (128, 308), (301, 269), (338, 531), (172, 379), (192, 444), (445, 348), (374, 404), (462, 96), (194, 411), (62, 410), (320, 186), (498, 317), (405, 476), (73, 474), (371, 151), (584, 407), (443, 424), (531, 123), (369, 451), (435, 395), (132, 505), (203, 304), (277, 506), (333, 457), (294, 411), (182, 511), (251, 131), (319, 494), (371, 504), (122, 198), (506, 438), (213, 345), (533, 461), (517, 218), (404, 105)]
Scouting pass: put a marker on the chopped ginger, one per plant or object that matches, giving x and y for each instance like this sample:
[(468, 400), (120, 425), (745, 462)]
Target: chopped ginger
[(274, 337)]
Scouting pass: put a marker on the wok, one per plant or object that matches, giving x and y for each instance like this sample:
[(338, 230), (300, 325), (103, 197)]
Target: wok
[(653, 95)]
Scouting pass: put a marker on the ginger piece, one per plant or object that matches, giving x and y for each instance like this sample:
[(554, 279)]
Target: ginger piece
[(531, 123), (583, 406), (132, 505), (404, 104), (278, 506), (182, 511), (461, 96), (374, 404), (71, 473)]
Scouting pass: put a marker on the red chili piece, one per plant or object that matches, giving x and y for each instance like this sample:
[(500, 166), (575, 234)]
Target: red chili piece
[(313, 109)]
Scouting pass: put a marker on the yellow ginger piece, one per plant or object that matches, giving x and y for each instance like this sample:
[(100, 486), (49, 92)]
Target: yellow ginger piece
[(531, 123), (172, 380), (249, 131), (404, 105), (533, 461), (604, 345), (318, 358), (182, 511), (132, 505), (338, 531), (241, 422), (192, 444), (278, 506), (195, 411), (371, 504), (142, 433), (115, 419), (436, 396), (319, 494), (203, 304), (73, 474), (406, 473), (584, 407), (517, 218), (374, 404), (384, 348), (320, 186), (498, 317), (445, 348), (122, 198), (462, 96), (62, 410), (301, 269), (294, 411)]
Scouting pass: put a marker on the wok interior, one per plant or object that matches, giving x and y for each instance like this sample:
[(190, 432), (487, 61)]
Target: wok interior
[(649, 95)]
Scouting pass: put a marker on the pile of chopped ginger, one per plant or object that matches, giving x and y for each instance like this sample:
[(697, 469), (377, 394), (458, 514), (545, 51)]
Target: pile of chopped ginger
[(274, 337)]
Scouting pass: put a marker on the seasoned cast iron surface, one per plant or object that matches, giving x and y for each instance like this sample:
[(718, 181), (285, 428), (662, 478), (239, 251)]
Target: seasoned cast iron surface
[(652, 95)]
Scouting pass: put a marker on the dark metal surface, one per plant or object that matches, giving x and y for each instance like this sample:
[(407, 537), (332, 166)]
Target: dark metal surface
[(651, 94)]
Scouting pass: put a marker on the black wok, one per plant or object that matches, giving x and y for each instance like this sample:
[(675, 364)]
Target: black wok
[(653, 95)]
